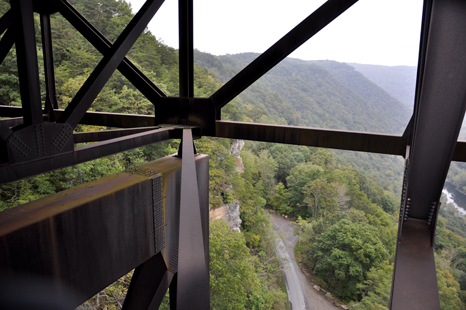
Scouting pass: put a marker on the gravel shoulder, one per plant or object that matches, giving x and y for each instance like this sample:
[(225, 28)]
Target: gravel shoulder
[(313, 299)]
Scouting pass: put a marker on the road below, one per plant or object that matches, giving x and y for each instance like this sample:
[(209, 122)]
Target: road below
[(300, 292)]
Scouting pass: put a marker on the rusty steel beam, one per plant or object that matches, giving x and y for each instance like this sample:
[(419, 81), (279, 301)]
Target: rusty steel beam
[(327, 138), (86, 153), (280, 50), (63, 238)]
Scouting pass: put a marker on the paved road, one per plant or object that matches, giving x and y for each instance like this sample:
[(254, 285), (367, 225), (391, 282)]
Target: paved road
[(300, 292)]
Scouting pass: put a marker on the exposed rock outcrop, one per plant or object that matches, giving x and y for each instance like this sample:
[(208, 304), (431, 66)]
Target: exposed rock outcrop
[(229, 213), (236, 150)]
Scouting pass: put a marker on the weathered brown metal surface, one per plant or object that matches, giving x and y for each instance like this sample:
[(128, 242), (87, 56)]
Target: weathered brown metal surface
[(415, 280), (335, 139), (86, 237)]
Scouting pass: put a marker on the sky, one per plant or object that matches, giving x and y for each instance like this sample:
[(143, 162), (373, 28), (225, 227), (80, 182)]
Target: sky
[(383, 32)]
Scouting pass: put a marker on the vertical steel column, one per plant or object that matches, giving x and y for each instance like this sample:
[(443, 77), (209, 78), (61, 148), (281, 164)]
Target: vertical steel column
[(28, 69), (438, 115), (190, 287), (51, 99), (186, 49)]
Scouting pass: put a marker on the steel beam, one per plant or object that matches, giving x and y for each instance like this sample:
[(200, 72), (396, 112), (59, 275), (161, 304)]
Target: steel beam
[(186, 50), (63, 237), (438, 114), (103, 45), (102, 135), (49, 71), (335, 139), (86, 153), (149, 284), (192, 284), (280, 50), (414, 275), (111, 60), (28, 69)]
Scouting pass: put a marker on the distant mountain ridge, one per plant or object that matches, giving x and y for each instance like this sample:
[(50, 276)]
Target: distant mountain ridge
[(316, 94), (398, 81)]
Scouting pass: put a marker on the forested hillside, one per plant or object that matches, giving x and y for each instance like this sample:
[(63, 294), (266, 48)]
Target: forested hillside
[(399, 81), (346, 203)]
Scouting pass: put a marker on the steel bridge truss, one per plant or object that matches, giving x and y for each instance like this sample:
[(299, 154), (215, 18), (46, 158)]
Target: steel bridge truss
[(39, 137)]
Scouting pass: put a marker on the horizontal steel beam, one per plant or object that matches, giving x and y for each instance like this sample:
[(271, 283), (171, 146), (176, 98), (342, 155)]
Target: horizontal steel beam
[(86, 153), (102, 135), (86, 237), (327, 138), (119, 120)]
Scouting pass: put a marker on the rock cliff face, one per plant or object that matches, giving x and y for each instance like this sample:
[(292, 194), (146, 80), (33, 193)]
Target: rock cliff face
[(230, 212), (236, 150)]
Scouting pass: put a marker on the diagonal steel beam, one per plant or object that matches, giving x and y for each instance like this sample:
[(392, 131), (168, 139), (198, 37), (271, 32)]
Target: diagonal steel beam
[(6, 44), (5, 21), (104, 70), (186, 52), (28, 69), (192, 278), (103, 45), (285, 46), (149, 284)]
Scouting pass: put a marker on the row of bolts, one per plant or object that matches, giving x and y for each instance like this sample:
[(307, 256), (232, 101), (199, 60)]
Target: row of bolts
[(431, 211)]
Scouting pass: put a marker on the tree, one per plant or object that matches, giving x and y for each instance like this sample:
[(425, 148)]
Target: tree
[(376, 289), (279, 200), (320, 197), (344, 254), (232, 275), (300, 175)]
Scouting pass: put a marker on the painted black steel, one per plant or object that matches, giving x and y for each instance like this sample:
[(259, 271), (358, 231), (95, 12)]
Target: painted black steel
[(186, 50), (103, 45), (49, 71), (86, 153), (147, 279), (328, 138), (439, 114), (102, 135), (192, 287), (28, 69), (111, 60), (285, 46)]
